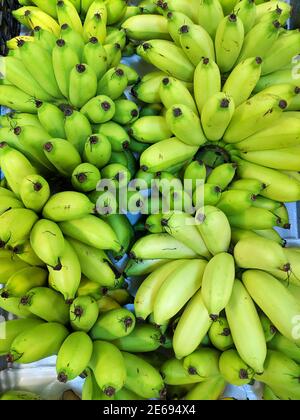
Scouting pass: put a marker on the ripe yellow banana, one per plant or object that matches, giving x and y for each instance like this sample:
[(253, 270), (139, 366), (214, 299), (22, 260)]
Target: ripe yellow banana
[(246, 329), (173, 294), (207, 81)]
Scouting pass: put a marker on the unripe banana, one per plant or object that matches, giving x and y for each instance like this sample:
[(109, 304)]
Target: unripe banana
[(31, 17), (217, 283), (114, 55), (97, 150), (252, 185), (196, 172), (254, 219), (49, 7), (150, 129), (9, 203), (126, 112), (67, 13), (246, 10), (12, 44), (113, 83), (285, 346), (115, 10), (73, 39), (113, 324), (285, 322), (166, 305), (131, 74), (269, 395), (67, 206), (91, 390), (236, 201), (23, 281), (116, 36), (220, 334), (116, 134), (167, 57), (174, 373), (64, 59), (15, 226), (196, 43), (269, 329), (95, 56), (234, 369), (216, 115), (142, 378), (210, 222), (52, 119), (246, 329), (146, 27), (144, 338), (207, 81), (9, 266), (124, 231), (46, 304), (203, 363), (77, 128), (83, 313), (85, 177), (141, 267), (35, 192), (11, 329), (243, 79), (176, 20), (12, 305), (67, 279), (210, 13), (11, 96), (209, 390), (195, 316), (37, 343), (172, 91), (108, 365), (147, 90), (207, 194), (73, 356), (55, 148), (83, 85), (44, 38)]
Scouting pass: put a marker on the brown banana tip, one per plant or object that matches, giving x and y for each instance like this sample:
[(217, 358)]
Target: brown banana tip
[(192, 370), (109, 391), (243, 374), (62, 377)]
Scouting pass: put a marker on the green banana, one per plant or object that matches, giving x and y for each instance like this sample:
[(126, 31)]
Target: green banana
[(53, 151), (94, 54), (113, 324), (67, 14), (126, 111), (203, 363), (172, 91), (91, 390), (207, 81), (151, 129), (15, 395), (285, 346), (108, 365), (15, 226), (9, 203), (113, 83), (146, 27), (52, 119), (131, 74), (14, 98), (85, 177), (67, 279), (73, 39), (66, 206), (144, 338), (234, 369), (97, 150), (35, 192), (44, 38), (32, 16), (23, 281), (174, 373), (83, 85), (246, 329), (207, 194), (196, 43), (209, 390), (147, 90), (12, 305), (142, 378), (269, 329), (252, 185), (27, 254), (83, 313), (236, 201), (77, 128), (176, 20), (73, 356), (195, 172), (209, 14), (220, 335), (46, 304), (116, 134), (246, 10), (254, 218), (124, 231)]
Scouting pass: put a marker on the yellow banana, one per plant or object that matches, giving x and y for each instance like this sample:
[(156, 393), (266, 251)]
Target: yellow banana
[(246, 329), (207, 81), (278, 296), (31, 17), (173, 294)]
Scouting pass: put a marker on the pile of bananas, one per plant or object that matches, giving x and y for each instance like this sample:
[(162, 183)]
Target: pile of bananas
[(219, 294)]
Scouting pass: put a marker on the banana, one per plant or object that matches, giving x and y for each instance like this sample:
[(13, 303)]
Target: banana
[(165, 154), (8, 203), (254, 218), (31, 53), (126, 111), (13, 120), (292, 276), (116, 36), (89, 288), (236, 201), (141, 267), (67, 206), (260, 39), (115, 10), (67, 279), (246, 329), (228, 5), (55, 148), (210, 13), (131, 74), (203, 363), (37, 343), (267, 8), (196, 43), (142, 378), (167, 304), (196, 173), (271, 234), (175, 21), (46, 304), (31, 17), (95, 56), (64, 59), (113, 83), (243, 79), (106, 304), (279, 186), (15, 395), (282, 159), (108, 365), (151, 129), (167, 57), (146, 294), (263, 108), (217, 283), (286, 47), (67, 13), (277, 77), (126, 395), (234, 370), (174, 373), (185, 125), (23, 281), (281, 374), (14, 98), (73, 39), (77, 128), (207, 194), (12, 305), (147, 90), (52, 119), (15, 226), (35, 192), (25, 253), (15, 167), (207, 81), (216, 115), (83, 85), (116, 134), (44, 38), (269, 395), (210, 221), (246, 10), (73, 356), (113, 324), (190, 9), (97, 150), (91, 390), (83, 313), (209, 390), (12, 44), (17, 74), (269, 329), (278, 294), (49, 7), (182, 227), (114, 55), (124, 231), (160, 245), (195, 318), (95, 26), (285, 346), (85, 177), (229, 41), (153, 223), (172, 91), (11, 329), (220, 334), (146, 27), (144, 338)]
